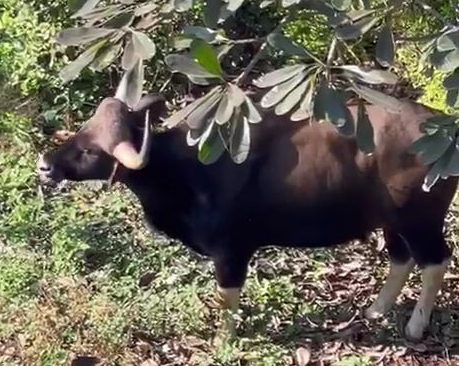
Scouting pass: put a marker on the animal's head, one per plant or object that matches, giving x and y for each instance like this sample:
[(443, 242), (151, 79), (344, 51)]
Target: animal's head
[(115, 135)]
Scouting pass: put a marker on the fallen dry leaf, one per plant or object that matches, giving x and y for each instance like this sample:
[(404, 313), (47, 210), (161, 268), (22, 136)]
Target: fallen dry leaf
[(302, 356)]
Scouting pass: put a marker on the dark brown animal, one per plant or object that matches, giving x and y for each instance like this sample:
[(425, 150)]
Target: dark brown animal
[(303, 185)]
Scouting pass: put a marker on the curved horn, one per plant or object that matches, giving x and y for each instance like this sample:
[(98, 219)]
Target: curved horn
[(126, 154)]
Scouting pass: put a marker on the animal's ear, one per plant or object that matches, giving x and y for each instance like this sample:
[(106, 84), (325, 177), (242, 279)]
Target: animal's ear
[(156, 103)]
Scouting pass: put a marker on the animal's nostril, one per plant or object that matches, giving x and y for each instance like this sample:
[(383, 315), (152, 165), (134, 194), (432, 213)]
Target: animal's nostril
[(43, 166)]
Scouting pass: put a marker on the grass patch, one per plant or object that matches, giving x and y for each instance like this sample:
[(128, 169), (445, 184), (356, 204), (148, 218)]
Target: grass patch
[(83, 281)]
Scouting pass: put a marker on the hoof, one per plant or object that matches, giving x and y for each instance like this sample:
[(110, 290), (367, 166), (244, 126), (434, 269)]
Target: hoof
[(414, 331)]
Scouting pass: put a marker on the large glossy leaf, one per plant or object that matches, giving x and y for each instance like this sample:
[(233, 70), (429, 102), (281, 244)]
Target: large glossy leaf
[(369, 76), (436, 171), (101, 13), (280, 42), (277, 93), (145, 8), (452, 98), (448, 41), (130, 87), (341, 5), (305, 109), (105, 56), (445, 61), (121, 20), (129, 57), (278, 76), (187, 66), (210, 146), (81, 35), (355, 15), (452, 81), (200, 114), (364, 133), (182, 5), (385, 47), (431, 147), (452, 167), (236, 95), (82, 7), (253, 115), (143, 45), (212, 13), (240, 140), (233, 5), (206, 34), (376, 97), (72, 70), (354, 31), (206, 56), (329, 105), (181, 115), (224, 110), (292, 99)]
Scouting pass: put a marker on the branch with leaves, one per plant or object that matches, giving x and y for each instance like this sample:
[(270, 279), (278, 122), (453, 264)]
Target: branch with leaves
[(309, 88)]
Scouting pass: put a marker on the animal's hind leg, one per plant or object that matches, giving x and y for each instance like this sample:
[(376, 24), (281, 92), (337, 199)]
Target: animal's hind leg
[(401, 265), (431, 252)]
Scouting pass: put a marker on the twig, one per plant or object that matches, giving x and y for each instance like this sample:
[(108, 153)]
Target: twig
[(258, 55), (331, 52), (432, 11)]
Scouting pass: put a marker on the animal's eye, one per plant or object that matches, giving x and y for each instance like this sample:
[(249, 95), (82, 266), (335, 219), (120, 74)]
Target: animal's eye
[(87, 151)]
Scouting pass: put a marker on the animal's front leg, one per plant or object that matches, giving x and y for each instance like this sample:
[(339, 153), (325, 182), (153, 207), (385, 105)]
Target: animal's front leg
[(230, 271)]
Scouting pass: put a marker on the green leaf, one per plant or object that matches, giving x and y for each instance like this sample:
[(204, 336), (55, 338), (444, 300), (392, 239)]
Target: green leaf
[(181, 115), (376, 97), (121, 20), (101, 13), (355, 15), (291, 99), (129, 57), (277, 93), (431, 147), (187, 66), (210, 147), (304, 111), (233, 5), (253, 115), (236, 95), (130, 87), (364, 133), (280, 42), (240, 140), (81, 35), (225, 110), (452, 167), (145, 9), (452, 81), (143, 45), (437, 170), (182, 5), (82, 7), (206, 34), (448, 41), (212, 13), (72, 70), (341, 5), (278, 76), (369, 76), (448, 62), (354, 31), (198, 117), (266, 3), (288, 3), (206, 56), (105, 56), (329, 105), (452, 98), (385, 47)]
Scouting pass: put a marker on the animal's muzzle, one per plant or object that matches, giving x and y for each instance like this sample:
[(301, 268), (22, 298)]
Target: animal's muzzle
[(46, 171)]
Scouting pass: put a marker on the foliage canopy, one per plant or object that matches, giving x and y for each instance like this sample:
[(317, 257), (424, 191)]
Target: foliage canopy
[(304, 85)]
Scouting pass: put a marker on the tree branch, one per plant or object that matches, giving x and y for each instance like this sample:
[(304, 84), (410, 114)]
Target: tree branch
[(259, 54), (432, 12)]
